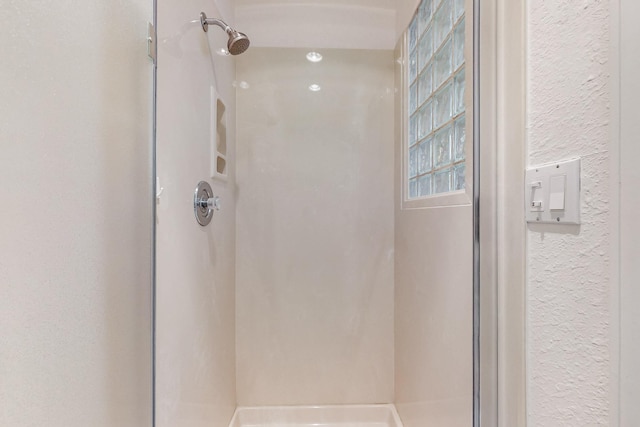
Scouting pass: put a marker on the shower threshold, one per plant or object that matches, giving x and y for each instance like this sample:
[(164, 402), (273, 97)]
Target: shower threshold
[(317, 416)]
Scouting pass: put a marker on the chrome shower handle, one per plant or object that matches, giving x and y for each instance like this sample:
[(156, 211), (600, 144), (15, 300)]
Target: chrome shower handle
[(210, 203), (205, 203)]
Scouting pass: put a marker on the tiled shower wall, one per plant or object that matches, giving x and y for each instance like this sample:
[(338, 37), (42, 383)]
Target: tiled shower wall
[(195, 314), (315, 226)]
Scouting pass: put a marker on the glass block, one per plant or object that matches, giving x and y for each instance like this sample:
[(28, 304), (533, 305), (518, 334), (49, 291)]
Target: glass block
[(425, 119), (413, 188), (424, 84), (424, 185), (458, 92), (413, 65), (413, 162), (442, 181), (459, 139), (424, 157), (458, 177), (458, 9), (413, 98), (442, 106), (442, 65), (442, 147), (458, 45), (424, 15), (413, 129), (441, 23), (413, 33), (425, 49)]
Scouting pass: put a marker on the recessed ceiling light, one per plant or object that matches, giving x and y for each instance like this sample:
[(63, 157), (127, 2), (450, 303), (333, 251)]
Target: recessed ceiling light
[(314, 57), (314, 87)]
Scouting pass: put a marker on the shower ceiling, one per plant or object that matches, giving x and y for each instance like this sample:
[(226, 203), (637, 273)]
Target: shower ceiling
[(381, 4), (351, 24)]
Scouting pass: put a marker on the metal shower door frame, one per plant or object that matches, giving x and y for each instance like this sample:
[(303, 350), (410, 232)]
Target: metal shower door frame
[(499, 238)]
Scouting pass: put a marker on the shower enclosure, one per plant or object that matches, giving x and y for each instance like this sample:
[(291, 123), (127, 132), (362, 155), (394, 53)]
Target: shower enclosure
[(335, 279), (233, 237)]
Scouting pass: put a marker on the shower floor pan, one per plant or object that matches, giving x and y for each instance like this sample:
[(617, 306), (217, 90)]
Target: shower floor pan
[(317, 416)]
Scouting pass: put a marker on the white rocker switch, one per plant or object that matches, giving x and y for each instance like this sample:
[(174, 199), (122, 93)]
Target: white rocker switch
[(557, 188)]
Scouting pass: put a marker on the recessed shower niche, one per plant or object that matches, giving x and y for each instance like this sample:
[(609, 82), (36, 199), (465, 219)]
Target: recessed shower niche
[(218, 136)]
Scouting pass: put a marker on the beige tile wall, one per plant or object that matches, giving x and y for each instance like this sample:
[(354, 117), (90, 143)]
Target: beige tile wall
[(315, 228), (195, 265), (433, 307)]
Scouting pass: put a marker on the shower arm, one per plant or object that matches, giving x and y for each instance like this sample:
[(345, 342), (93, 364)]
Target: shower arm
[(205, 22)]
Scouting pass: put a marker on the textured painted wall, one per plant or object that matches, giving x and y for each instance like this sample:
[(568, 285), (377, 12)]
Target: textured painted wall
[(568, 331)]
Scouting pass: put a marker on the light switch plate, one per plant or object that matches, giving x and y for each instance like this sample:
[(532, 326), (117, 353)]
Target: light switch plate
[(552, 193)]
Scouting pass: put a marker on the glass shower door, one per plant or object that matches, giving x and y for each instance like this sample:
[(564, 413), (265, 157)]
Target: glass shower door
[(323, 283), (76, 136)]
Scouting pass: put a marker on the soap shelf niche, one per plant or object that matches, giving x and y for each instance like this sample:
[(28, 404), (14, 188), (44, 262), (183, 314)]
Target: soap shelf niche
[(219, 165)]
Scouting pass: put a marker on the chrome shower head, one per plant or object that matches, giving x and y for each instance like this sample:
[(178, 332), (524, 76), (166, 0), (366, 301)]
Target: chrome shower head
[(238, 42)]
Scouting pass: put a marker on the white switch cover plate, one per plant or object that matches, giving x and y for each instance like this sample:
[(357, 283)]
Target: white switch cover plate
[(552, 193)]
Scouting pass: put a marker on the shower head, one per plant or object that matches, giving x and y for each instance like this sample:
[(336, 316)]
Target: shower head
[(238, 42)]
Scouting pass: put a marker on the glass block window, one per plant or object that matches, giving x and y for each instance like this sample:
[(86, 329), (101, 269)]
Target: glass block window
[(436, 85)]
